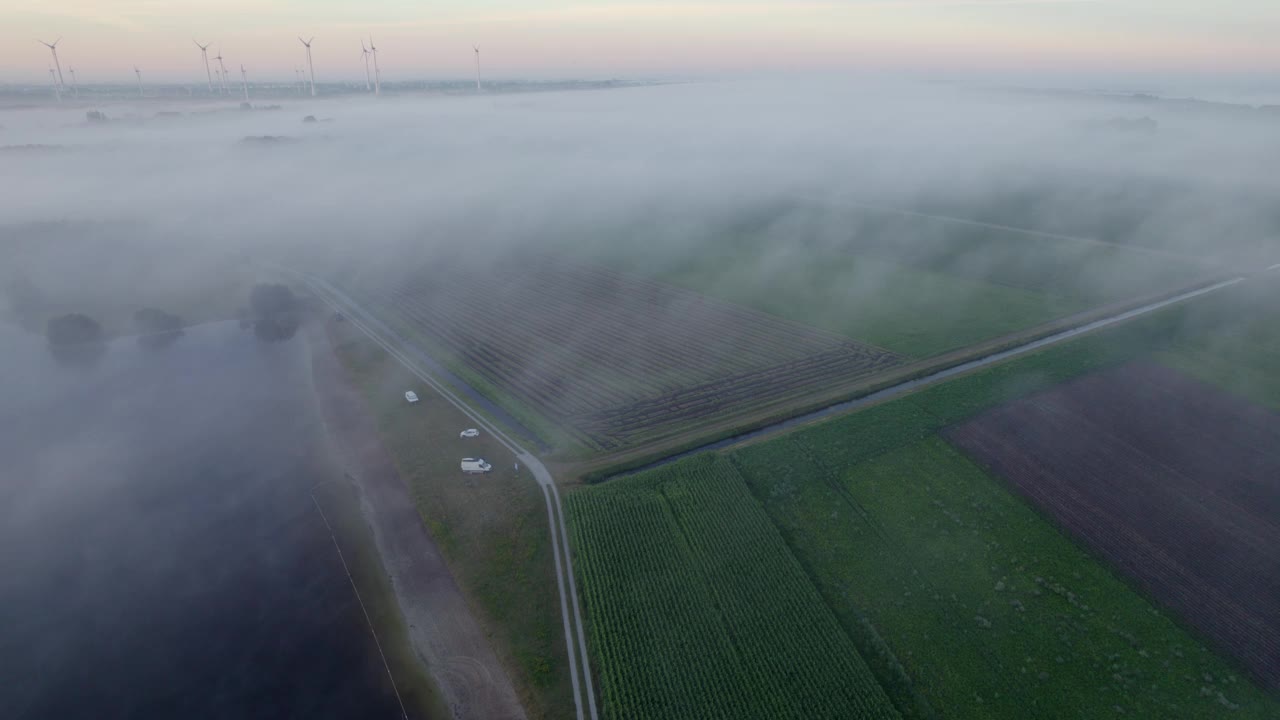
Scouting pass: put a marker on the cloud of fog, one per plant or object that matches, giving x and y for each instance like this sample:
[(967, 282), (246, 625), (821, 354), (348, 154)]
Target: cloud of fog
[(658, 168)]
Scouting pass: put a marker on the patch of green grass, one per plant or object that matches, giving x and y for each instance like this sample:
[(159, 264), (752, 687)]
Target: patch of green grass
[(912, 311), (1234, 342), (991, 611), (1261, 386)]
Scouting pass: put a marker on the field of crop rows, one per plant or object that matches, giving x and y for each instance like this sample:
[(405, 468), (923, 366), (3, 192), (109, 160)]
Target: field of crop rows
[(615, 359), (1172, 482), (699, 610)]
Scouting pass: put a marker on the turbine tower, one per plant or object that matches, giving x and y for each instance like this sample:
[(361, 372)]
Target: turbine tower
[(57, 91), (364, 51), (477, 49), (222, 72), (53, 48), (204, 54), (377, 74), (138, 72), (244, 82), (310, 68), (75, 86)]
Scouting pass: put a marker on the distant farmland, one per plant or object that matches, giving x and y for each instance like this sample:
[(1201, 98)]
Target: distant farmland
[(1169, 480), (913, 285), (961, 598), (614, 360)]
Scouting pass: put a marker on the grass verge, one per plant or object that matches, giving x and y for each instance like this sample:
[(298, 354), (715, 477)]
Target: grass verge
[(491, 529)]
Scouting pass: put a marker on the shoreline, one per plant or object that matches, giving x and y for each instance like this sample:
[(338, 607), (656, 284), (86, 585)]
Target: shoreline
[(444, 636)]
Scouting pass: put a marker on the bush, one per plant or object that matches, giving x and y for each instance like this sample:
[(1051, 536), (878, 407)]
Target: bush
[(73, 329), (267, 300)]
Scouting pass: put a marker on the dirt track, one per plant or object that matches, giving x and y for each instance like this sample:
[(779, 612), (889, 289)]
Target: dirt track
[(442, 631)]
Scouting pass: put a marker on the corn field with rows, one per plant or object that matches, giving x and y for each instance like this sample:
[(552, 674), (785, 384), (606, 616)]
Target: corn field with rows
[(697, 609)]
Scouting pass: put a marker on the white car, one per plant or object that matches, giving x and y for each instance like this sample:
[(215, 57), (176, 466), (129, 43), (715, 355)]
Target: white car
[(411, 396), (469, 433), (475, 466)]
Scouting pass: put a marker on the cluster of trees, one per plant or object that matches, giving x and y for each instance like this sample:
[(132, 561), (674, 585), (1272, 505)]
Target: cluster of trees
[(275, 311), (75, 339)]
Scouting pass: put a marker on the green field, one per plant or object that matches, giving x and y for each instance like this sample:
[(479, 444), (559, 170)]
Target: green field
[(1234, 342), (697, 609), (992, 612), (911, 311), (964, 601), (913, 285)]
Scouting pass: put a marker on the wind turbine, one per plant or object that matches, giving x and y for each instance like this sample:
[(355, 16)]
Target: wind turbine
[(204, 53), (311, 68), (477, 49), (53, 48), (138, 72), (365, 52), (223, 72), (377, 74), (57, 91), (244, 82), (75, 86)]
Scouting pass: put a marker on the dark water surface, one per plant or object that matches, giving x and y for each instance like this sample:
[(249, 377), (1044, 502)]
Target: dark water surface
[(160, 556)]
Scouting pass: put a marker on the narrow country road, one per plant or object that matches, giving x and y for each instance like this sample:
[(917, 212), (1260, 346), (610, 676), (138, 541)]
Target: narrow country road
[(418, 362), (944, 374)]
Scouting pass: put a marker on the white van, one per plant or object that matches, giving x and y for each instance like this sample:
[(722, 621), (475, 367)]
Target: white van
[(475, 466)]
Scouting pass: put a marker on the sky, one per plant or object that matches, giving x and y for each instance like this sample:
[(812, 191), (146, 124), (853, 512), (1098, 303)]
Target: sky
[(417, 39)]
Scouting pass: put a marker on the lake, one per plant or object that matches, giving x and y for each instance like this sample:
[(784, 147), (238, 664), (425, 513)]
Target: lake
[(160, 555)]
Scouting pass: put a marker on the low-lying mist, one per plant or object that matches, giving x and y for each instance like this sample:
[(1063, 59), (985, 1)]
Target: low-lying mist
[(163, 199)]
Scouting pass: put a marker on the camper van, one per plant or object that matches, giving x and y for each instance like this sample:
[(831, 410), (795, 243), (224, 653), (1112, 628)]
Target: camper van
[(475, 466)]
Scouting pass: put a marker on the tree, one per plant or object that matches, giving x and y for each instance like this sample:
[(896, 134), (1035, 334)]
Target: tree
[(73, 329)]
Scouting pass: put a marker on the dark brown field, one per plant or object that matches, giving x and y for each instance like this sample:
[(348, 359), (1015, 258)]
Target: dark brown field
[(1174, 483), (616, 359)]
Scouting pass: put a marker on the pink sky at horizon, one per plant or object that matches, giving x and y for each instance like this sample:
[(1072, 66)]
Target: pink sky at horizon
[(104, 39)]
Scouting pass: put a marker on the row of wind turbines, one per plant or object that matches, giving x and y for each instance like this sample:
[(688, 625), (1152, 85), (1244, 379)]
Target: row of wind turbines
[(222, 72), (372, 81)]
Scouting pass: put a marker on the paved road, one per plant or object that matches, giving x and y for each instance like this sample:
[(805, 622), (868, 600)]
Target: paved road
[(418, 362)]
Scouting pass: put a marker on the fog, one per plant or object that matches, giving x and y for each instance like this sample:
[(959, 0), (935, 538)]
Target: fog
[(374, 179), (825, 193)]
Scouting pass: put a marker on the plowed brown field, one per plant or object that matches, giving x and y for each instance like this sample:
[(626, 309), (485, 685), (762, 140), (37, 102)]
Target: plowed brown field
[(1174, 483)]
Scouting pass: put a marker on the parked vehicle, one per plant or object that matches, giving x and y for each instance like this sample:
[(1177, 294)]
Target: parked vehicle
[(469, 433), (475, 466), (411, 396)]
